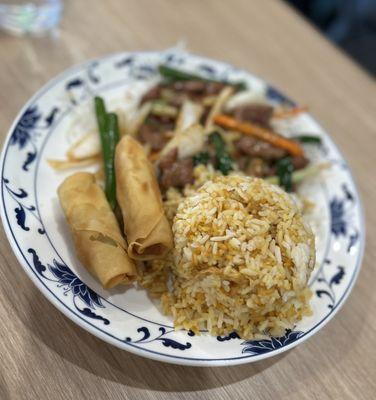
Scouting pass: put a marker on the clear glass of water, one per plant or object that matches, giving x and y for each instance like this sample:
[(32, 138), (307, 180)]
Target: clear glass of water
[(33, 17)]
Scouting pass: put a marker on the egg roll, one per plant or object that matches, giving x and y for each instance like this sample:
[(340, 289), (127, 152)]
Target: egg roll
[(145, 224), (98, 240)]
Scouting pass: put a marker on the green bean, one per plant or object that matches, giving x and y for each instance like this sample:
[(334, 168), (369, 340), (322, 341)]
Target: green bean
[(301, 174), (308, 139), (113, 138), (285, 169), (173, 74), (100, 111), (109, 135), (224, 160), (201, 158)]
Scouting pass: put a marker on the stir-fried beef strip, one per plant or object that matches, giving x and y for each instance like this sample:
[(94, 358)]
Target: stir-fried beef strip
[(168, 160), (198, 88), (194, 90), (299, 162), (257, 113), (174, 172), (152, 94), (257, 148), (155, 131), (255, 157)]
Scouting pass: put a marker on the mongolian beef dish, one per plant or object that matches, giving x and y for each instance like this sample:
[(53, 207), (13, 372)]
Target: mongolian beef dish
[(193, 200)]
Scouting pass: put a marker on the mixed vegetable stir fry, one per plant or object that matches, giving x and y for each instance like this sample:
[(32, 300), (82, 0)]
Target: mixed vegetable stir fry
[(193, 120), (186, 120)]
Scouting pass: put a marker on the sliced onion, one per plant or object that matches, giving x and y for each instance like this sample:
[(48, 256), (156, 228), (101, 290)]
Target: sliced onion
[(189, 115), (188, 142), (246, 97), (222, 98), (86, 147), (122, 120), (135, 122), (67, 164)]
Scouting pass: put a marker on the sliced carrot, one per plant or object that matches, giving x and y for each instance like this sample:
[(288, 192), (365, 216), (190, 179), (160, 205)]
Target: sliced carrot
[(260, 133), (292, 112)]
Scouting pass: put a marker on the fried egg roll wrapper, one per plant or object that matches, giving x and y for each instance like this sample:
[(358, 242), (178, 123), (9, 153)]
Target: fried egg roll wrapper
[(146, 227), (98, 241)]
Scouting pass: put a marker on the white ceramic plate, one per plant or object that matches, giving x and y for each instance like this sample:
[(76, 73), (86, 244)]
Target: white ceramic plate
[(128, 319)]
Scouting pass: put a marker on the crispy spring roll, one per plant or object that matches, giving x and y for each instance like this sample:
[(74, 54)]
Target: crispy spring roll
[(146, 227), (99, 243)]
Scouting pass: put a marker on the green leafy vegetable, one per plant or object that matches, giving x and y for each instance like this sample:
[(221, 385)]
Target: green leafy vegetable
[(224, 159), (173, 74), (285, 169), (301, 174), (308, 139), (109, 134), (201, 158)]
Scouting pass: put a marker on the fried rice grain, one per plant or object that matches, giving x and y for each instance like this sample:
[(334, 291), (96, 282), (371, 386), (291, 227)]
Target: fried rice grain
[(242, 258)]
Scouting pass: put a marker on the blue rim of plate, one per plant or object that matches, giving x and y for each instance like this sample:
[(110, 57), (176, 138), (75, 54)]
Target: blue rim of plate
[(28, 267)]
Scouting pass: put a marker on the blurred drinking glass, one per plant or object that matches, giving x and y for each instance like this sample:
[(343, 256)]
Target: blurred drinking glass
[(33, 17)]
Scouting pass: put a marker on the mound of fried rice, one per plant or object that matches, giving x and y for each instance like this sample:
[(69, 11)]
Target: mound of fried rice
[(241, 261)]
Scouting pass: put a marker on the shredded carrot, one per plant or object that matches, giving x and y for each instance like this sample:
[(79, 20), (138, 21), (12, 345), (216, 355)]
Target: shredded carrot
[(291, 112), (260, 133)]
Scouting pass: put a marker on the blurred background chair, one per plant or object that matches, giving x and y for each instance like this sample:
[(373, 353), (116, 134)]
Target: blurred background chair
[(349, 23)]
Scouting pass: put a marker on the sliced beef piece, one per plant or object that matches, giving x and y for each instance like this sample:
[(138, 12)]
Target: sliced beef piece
[(299, 162), (156, 139), (257, 148), (242, 162), (161, 122), (152, 94), (205, 115), (155, 132), (213, 88), (169, 159), (196, 90), (177, 100), (190, 87), (174, 172), (179, 175), (257, 113), (271, 171)]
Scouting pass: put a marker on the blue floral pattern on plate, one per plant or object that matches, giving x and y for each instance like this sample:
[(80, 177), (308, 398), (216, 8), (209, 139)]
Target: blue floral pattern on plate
[(161, 336), (263, 346)]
